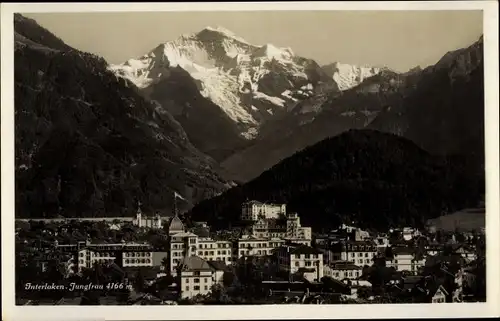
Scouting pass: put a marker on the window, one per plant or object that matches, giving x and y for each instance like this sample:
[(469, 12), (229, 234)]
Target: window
[(307, 256), (211, 252), (187, 288), (148, 260), (206, 280), (366, 254), (308, 263), (353, 255), (126, 261), (296, 263), (82, 254), (196, 287), (360, 254), (196, 280), (350, 274), (200, 252)]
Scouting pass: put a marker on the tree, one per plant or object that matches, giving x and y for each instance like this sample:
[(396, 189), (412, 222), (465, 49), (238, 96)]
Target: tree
[(363, 292), (123, 295), (139, 281), (91, 298), (228, 278)]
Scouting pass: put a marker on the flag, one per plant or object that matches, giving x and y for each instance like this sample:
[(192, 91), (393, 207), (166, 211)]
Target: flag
[(177, 195)]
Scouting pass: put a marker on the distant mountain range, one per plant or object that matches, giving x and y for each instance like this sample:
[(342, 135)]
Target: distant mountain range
[(208, 111), (250, 84), (441, 108)]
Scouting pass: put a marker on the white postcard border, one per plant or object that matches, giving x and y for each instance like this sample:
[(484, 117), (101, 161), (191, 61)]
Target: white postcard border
[(12, 312)]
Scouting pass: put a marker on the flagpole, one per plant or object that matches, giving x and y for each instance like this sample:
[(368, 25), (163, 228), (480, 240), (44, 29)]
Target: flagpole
[(175, 205)]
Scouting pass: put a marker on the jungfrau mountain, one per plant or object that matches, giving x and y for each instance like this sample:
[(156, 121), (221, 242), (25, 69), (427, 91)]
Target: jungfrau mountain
[(247, 84), (347, 76)]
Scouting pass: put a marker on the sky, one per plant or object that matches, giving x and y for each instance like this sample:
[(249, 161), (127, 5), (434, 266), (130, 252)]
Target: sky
[(399, 40)]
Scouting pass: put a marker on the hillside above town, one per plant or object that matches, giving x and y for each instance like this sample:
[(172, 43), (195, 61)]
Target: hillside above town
[(371, 178)]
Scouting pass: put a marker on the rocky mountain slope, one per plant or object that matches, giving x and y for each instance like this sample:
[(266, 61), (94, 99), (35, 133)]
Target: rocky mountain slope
[(347, 76), (87, 144), (375, 179), (445, 112), (440, 108)]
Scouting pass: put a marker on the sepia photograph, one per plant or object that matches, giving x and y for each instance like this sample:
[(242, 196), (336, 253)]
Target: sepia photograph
[(249, 157)]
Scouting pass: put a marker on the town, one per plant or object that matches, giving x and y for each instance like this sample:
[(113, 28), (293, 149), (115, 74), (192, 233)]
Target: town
[(270, 259)]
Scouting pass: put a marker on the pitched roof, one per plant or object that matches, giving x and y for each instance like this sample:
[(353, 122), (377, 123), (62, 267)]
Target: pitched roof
[(304, 249), (175, 224), (344, 265), (218, 265), (194, 263), (403, 250)]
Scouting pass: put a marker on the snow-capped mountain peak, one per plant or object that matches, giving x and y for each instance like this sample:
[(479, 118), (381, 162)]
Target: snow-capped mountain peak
[(348, 76), (250, 83), (270, 51), (224, 32)]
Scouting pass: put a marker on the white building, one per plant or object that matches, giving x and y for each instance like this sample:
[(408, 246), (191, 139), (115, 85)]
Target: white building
[(141, 220), (196, 277), (404, 259), (212, 250), (357, 252), (382, 241), (250, 246), (287, 227), (87, 254), (295, 230), (409, 233), (440, 295), (301, 258), (184, 244), (341, 270), (253, 210)]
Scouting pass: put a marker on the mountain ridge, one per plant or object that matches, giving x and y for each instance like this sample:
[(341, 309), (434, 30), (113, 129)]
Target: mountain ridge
[(375, 179), (250, 83), (387, 102), (87, 144)]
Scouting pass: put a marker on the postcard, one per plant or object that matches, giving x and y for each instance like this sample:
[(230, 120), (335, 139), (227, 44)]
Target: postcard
[(222, 160)]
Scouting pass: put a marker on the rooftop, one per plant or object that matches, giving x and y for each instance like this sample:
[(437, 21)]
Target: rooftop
[(344, 265), (218, 265), (304, 249), (194, 263), (403, 251)]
